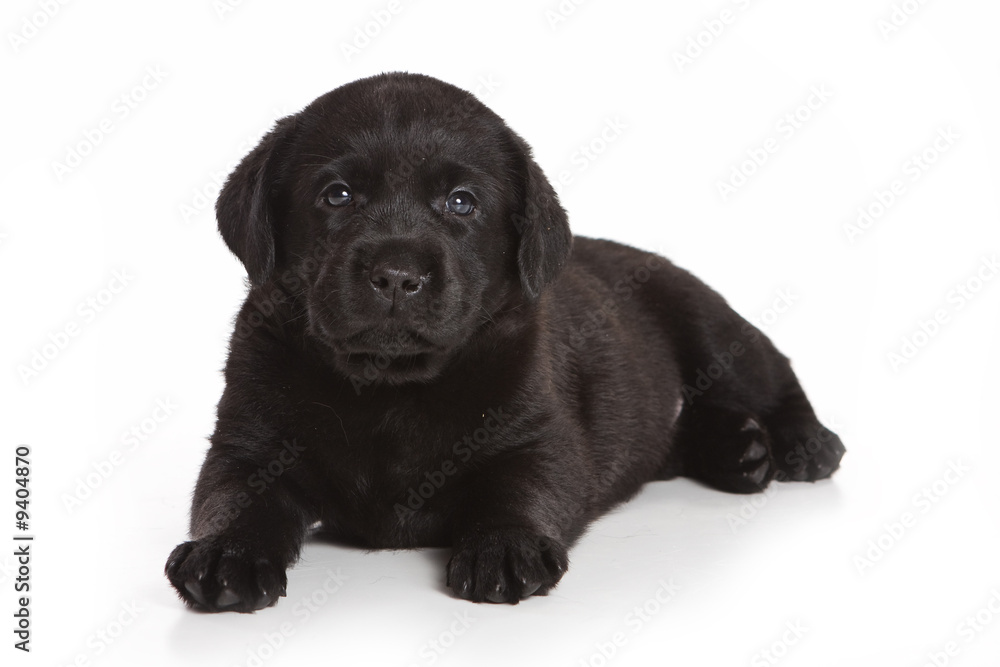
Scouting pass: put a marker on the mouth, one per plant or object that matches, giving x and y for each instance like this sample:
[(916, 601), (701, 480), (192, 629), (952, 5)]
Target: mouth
[(394, 357), (385, 343)]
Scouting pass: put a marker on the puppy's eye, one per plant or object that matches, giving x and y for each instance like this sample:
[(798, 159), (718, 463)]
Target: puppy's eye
[(460, 202), (338, 194)]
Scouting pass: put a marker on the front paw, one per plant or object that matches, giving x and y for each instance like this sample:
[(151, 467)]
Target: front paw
[(219, 574), (505, 565)]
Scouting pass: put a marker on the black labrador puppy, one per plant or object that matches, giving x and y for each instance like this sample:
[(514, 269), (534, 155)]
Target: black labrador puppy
[(428, 357)]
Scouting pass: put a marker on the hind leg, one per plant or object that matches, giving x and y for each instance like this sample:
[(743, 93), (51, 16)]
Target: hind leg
[(745, 419)]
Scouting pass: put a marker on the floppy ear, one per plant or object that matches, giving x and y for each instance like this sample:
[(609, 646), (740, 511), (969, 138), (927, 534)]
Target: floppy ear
[(243, 208), (546, 239)]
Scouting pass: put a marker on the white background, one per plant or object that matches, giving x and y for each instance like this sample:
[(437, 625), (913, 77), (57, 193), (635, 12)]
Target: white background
[(743, 569)]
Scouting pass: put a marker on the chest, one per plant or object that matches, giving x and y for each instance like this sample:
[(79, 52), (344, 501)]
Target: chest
[(400, 478)]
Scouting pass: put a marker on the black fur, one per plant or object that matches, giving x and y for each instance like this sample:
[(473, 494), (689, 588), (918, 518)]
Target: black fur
[(406, 374)]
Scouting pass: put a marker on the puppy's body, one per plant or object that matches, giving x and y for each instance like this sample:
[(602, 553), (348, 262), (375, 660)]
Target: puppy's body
[(483, 388)]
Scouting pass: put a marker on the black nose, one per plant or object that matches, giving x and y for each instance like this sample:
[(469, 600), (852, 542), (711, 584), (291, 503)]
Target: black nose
[(389, 280)]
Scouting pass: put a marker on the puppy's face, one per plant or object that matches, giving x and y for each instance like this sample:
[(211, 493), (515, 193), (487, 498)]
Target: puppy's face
[(407, 216), (410, 195)]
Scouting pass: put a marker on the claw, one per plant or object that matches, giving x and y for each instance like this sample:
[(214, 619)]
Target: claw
[(227, 598), (755, 451), (497, 595), (194, 588), (528, 588), (759, 473)]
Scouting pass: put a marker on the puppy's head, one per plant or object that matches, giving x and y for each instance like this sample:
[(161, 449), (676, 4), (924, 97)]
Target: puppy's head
[(405, 214)]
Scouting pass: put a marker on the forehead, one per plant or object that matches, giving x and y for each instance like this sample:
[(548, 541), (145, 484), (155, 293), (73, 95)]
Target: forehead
[(410, 127)]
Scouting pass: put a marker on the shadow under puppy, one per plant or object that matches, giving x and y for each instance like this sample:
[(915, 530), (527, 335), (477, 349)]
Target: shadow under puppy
[(427, 357)]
